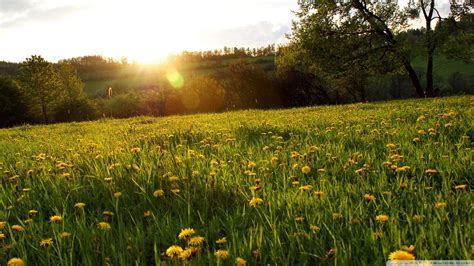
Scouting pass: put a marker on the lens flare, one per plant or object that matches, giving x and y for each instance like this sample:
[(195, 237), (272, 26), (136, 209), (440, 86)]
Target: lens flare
[(174, 78)]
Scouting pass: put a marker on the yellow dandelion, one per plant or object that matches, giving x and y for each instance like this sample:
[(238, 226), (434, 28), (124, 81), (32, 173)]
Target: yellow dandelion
[(306, 188), (117, 195), (186, 233), (254, 202), (2, 224), (416, 139), (440, 205), (108, 179), (299, 219), (15, 262), (319, 194), (314, 228), (2, 236), (26, 189), (306, 169), (64, 234), (174, 251), (337, 216), (221, 241), (158, 193), (421, 132), (369, 198), (147, 214), (107, 213), (104, 226), (381, 218), (195, 174), (391, 146), (240, 262), (185, 254), (408, 249), (17, 228), (173, 178), (46, 242), (431, 171), (55, 218), (401, 255), (251, 164), (79, 205), (135, 150), (32, 212), (28, 221), (222, 254), (175, 191), (196, 241), (461, 187)]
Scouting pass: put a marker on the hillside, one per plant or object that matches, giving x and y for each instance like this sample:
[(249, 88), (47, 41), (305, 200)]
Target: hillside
[(343, 184)]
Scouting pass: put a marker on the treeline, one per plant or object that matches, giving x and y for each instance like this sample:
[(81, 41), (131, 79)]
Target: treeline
[(224, 53)]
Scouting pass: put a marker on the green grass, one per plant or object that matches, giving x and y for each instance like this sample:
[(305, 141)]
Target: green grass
[(217, 161)]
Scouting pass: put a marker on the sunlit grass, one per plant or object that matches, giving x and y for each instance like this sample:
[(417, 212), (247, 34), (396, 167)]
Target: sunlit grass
[(348, 184)]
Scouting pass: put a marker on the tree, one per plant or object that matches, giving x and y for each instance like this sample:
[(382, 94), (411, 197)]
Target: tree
[(13, 111), (364, 33), (40, 83)]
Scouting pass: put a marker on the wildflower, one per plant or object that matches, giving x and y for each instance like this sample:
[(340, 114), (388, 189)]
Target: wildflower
[(421, 132), (421, 119), (64, 234), (173, 178), (240, 262), (256, 253), (387, 193), (306, 188), (440, 205), (55, 218), (254, 202), (79, 205), (381, 218), (319, 194), (15, 262), (409, 249), (401, 255), (32, 212), (185, 254), (186, 233), (104, 226), (306, 169), (28, 221), (117, 195), (448, 125), (359, 171), (331, 253), (337, 216), (158, 193), (29, 173), (295, 183), (175, 191), (369, 198), (314, 228), (174, 251), (2, 224), (299, 219), (195, 173), (418, 218), (461, 187), (321, 170), (107, 213), (135, 150), (431, 171), (416, 139), (274, 159), (147, 214), (18, 228), (222, 254), (251, 164), (196, 241), (391, 146), (221, 241), (108, 179), (2, 236), (26, 190), (46, 242)]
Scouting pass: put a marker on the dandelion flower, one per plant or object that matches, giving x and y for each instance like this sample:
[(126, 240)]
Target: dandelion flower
[(221, 241), (254, 202), (369, 198), (337, 216), (381, 218), (306, 169), (18, 228), (15, 262), (222, 254), (240, 262), (79, 205), (2, 236), (196, 241), (186, 233), (64, 234), (2, 224), (431, 171), (158, 193), (104, 226), (117, 195), (306, 188), (319, 194), (46, 242), (401, 255), (409, 249), (461, 187), (55, 218), (32, 212), (185, 254), (314, 228), (147, 214), (174, 251), (440, 205)]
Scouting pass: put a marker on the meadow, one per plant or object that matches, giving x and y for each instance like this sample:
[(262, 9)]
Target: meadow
[(337, 185)]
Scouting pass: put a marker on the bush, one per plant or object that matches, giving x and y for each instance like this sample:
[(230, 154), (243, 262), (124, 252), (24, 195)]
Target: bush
[(77, 110), (13, 110)]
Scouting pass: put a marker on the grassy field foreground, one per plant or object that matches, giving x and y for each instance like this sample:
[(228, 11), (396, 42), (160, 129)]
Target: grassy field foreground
[(340, 185)]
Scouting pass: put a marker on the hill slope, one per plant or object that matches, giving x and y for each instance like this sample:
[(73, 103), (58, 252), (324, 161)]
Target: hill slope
[(349, 184)]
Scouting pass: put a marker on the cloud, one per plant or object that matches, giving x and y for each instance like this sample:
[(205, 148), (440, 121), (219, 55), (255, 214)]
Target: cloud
[(15, 6), (258, 34)]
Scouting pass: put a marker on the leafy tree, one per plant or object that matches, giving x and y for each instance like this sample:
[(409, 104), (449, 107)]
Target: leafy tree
[(40, 84), (13, 110), (357, 35)]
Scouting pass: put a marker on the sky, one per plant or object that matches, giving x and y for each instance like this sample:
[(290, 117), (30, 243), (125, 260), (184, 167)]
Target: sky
[(142, 30), (145, 31)]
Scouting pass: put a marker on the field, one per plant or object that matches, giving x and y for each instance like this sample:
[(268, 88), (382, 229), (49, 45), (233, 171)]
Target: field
[(345, 185)]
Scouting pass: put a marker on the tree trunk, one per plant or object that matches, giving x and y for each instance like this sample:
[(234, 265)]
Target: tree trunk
[(45, 114), (429, 75), (414, 79)]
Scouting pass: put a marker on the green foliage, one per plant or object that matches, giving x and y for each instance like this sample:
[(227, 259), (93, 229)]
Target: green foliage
[(311, 168), (13, 110), (40, 85)]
